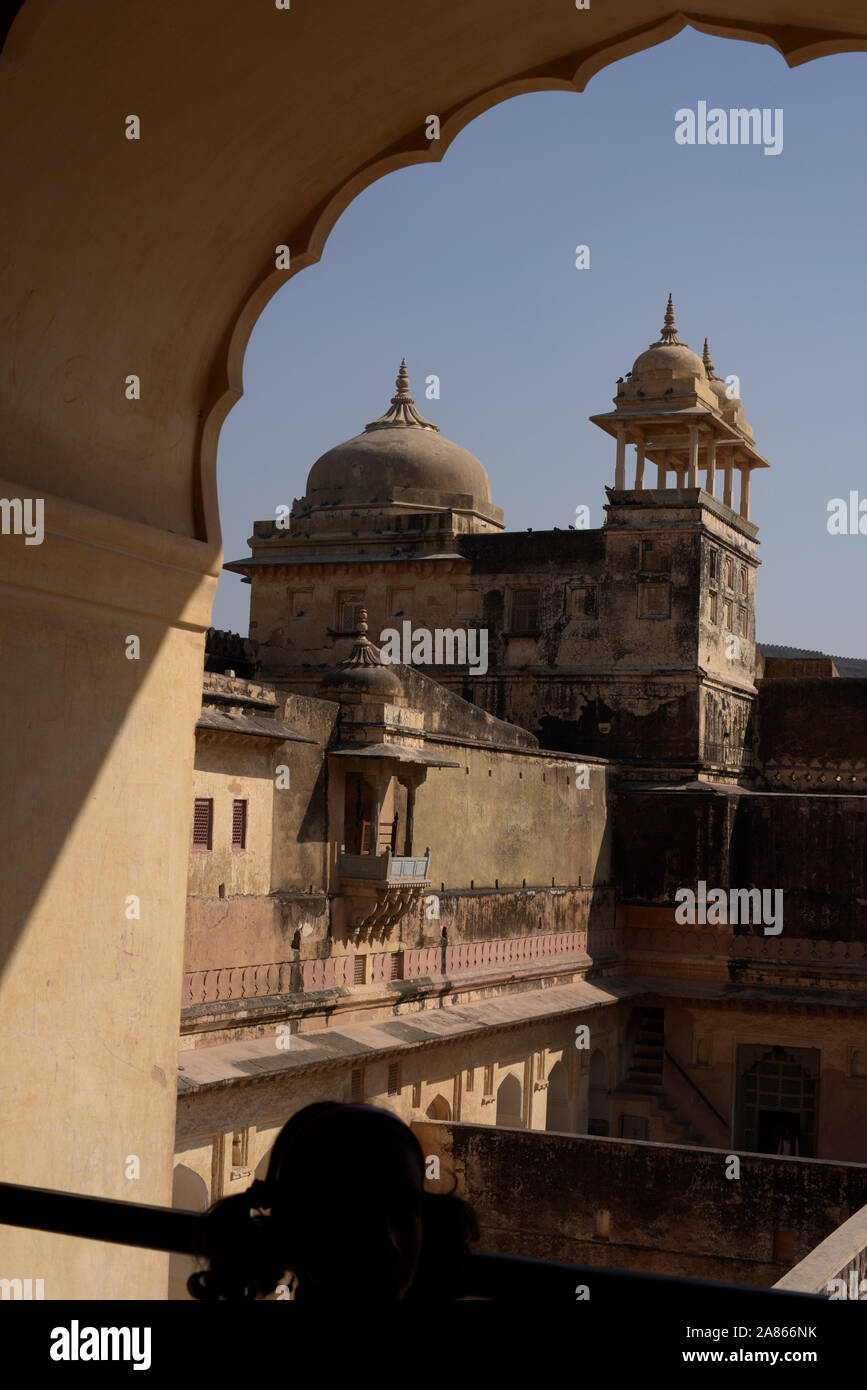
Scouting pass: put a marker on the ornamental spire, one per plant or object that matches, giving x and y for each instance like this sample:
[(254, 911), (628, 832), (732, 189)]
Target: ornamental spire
[(402, 411), (708, 365), (669, 332), (363, 653)]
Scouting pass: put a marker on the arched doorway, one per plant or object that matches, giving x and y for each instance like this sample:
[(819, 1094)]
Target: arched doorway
[(439, 1109), (509, 1103), (558, 1114), (776, 1100)]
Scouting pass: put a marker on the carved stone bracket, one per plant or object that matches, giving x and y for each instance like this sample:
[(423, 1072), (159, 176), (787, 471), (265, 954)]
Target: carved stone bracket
[(393, 901)]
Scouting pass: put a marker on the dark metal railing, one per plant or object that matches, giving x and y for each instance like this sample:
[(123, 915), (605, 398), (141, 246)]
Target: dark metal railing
[(486, 1276)]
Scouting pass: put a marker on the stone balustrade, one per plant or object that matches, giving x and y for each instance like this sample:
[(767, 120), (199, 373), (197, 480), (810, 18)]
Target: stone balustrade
[(338, 971)]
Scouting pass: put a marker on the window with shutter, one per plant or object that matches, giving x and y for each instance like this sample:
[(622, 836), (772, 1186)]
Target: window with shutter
[(357, 1085), (203, 823), (349, 607), (525, 610), (239, 825), (358, 970), (396, 966), (394, 1079)]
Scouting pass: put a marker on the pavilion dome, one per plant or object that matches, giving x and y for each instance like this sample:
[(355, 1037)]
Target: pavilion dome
[(401, 457), (362, 675), (669, 359)]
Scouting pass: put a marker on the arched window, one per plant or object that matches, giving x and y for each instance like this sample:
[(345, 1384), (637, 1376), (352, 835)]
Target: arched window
[(439, 1109), (509, 1106), (558, 1115)]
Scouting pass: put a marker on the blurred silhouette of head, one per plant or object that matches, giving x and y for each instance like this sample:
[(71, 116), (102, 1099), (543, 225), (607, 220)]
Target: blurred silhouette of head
[(343, 1207), (346, 1185)]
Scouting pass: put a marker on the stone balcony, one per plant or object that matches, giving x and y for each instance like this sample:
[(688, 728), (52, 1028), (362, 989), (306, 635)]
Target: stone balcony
[(381, 888)]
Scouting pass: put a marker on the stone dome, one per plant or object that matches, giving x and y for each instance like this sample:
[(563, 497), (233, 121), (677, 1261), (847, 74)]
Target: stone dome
[(731, 407), (669, 357), (377, 682), (675, 359), (401, 457), (362, 674)]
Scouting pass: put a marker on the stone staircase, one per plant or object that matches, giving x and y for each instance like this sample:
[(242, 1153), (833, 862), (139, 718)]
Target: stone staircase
[(645, 1076)]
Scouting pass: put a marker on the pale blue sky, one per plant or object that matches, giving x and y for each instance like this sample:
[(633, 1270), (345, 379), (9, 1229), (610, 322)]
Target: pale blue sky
[(468, 268)]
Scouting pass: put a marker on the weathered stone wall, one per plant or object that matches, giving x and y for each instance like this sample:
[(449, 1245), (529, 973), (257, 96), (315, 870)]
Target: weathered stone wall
[(513, 817), (815, 729), (227, 769), (299, 862), (670, 1210), (812, 848)]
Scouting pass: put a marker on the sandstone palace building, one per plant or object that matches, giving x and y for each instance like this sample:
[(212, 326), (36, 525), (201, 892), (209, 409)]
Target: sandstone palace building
[(453, 891)]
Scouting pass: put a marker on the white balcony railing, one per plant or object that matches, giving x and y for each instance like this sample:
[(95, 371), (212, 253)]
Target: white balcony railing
[(402, 869)]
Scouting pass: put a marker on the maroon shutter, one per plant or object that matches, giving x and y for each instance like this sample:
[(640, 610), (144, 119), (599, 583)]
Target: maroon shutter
[(239, 825), (203, 820)]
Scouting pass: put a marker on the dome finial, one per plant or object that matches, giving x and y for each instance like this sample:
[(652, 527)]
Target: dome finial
[(363, 653), (669, 332), (402, 383), (402, 410), (708, 365)]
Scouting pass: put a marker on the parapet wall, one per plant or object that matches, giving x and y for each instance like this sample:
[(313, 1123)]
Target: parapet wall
[(644, 1207), (812, 848), (813, 729)]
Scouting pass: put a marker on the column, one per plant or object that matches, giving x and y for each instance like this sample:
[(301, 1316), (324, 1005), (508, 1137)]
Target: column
[(745, 491), (639, 463), (710, 480), (129, 782), (661, 476), (410, 817), (728, 473), (692, 477), (620, 465), (378, 798), (680, 476)]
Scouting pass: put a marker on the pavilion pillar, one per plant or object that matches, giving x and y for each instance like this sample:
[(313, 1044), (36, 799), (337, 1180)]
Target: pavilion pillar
[(744, 509), (620, 465), (639, 463), (710, 480), (692, 476), (728, 474)]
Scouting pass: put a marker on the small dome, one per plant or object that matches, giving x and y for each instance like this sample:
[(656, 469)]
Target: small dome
[(401, 457), (676, 359), (360, 680), (362, 673), (669, 357)]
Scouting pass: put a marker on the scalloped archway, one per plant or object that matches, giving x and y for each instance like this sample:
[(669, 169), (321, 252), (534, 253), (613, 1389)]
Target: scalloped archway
[(154, 258)]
